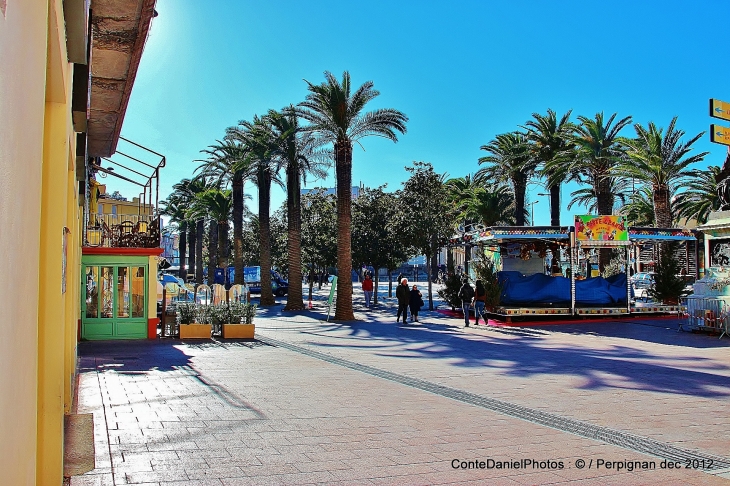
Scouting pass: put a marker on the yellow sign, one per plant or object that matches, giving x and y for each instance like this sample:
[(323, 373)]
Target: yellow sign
[(719, 109), (720, 134)]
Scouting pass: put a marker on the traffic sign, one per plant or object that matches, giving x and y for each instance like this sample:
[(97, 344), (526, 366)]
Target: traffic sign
[(719, 109), (720, 134)]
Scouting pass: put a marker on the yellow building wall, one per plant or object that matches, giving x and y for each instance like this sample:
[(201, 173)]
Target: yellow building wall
[(39, 202), (23, 49)]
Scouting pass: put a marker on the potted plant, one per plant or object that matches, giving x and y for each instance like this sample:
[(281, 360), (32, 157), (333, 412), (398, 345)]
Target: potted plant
[(669, 286), (195, 320), (241, 324)]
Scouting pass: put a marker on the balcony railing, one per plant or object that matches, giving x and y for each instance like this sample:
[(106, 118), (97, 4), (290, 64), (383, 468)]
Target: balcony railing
[(123, 231)]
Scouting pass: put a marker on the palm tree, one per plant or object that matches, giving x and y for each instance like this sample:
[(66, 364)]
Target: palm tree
[(660, 160), (640, 209), (298, 153), (187, 189), (173, 206), (551, 146), (227, 162), (586, 196), (494, 206), (261, 153), (335, 114), (700, 196), (509, 161), (598, 150), (214, 205)]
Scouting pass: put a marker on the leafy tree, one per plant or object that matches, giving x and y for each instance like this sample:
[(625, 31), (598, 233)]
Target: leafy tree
[(429, 218), (668, 285), (700, 195), (551, 146), (660, 160), (319, 232), (376, 240), (510, 161), (336, 115)]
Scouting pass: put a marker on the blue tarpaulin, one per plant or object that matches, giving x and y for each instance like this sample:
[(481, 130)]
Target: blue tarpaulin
[(539, 290)]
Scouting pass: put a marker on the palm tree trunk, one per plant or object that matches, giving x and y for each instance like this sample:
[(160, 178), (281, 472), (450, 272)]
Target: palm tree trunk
[(199, 231), (181, 247), (520, 186), (212, 249), (343, 168), (294, 241), (237, 186), (555, 205), (192, 242), (267, 295), (662, 213), (222, 244), (604, 203)]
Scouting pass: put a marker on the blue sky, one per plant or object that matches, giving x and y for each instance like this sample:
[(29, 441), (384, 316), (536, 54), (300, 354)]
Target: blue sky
[(463, 72)]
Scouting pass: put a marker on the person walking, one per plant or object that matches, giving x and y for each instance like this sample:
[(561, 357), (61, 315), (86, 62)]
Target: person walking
[(403, 294), (466, 294), (415, 302), (480, 299), (367, 289)]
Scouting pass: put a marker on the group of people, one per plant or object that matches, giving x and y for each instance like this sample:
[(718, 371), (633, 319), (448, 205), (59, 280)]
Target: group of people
[(473, 297), (408, 298), (412, 299)]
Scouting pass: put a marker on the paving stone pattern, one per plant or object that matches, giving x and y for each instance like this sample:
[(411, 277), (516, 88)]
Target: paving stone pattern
[(372, 402)]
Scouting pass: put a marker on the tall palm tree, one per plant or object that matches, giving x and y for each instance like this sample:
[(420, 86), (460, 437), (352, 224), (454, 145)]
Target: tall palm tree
[(700, 195), (262, 154), (598, 151), (660, 160), (227, 162), (217, 204), (187, 189), (336, 115), (551, 146), (300, 157), (173, 206), (510, 161)]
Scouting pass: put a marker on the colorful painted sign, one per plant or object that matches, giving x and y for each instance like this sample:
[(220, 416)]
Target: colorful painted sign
[(601, 228)]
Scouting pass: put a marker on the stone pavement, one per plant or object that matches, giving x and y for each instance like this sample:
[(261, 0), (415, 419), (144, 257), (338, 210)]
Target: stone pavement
[(372, 402)]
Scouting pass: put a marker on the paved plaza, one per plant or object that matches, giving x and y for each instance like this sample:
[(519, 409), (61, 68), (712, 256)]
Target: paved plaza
[(374, 402)]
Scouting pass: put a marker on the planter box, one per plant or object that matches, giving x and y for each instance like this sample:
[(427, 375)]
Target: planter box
[(195, 331), (238, 331)]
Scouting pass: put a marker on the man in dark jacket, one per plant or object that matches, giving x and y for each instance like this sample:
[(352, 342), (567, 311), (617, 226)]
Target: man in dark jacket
[(466, 294), (403, 293)]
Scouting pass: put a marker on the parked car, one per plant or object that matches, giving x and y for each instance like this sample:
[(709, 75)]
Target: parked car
[(642, 282)]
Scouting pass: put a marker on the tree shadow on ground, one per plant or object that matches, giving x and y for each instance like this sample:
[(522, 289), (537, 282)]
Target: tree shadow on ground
[(525, 353)]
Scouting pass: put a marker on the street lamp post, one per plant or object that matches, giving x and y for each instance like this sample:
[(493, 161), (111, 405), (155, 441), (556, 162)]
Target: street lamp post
[(549, 201), (532, 211)]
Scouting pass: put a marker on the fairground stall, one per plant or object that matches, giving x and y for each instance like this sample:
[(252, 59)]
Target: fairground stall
[(552, 271), (523, 251)]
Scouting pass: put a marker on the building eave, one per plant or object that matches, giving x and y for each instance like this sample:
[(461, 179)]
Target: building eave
[(119, 32)]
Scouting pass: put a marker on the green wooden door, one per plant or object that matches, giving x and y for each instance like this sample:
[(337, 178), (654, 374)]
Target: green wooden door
[(114, 298)]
